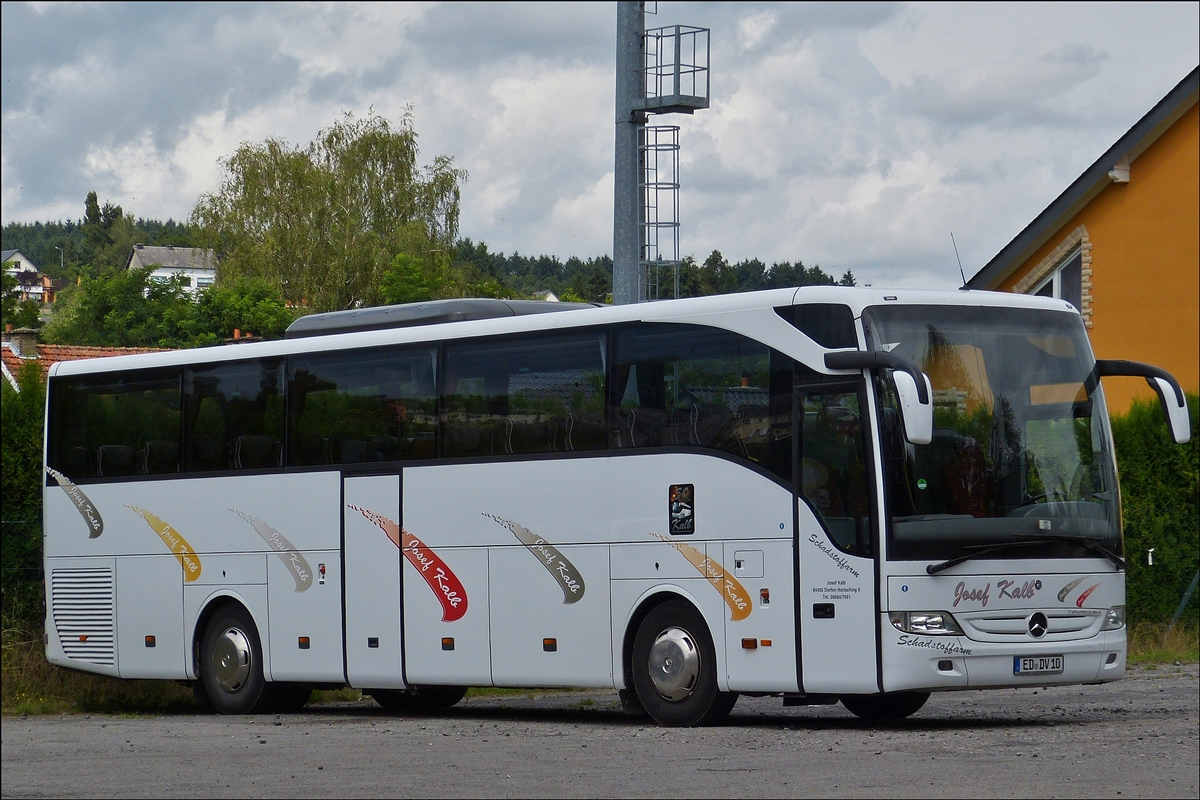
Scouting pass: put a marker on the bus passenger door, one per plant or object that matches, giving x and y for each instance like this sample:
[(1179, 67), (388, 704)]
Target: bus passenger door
[(835, 598), (372, 581)]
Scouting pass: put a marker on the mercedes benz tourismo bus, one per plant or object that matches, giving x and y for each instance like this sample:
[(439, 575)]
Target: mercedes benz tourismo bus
[(821, 494)]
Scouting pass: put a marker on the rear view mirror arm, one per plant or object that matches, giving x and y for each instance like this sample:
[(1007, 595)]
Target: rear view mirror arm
[(857, 359), (1136, 369), (1162, 382)]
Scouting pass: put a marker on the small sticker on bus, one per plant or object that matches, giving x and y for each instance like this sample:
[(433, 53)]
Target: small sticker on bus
[(682, 509)]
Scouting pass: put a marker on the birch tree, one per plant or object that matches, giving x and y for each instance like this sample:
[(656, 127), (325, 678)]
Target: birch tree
[(325, 222)]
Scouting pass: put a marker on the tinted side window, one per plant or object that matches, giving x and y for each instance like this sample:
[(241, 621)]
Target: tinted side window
[(528, 394), (691, 386), (106, 426), (833, 460), (828, 324), (353, 407), (233, 416)]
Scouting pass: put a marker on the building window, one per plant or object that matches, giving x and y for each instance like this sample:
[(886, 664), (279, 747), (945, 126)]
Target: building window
[(1066, 281)]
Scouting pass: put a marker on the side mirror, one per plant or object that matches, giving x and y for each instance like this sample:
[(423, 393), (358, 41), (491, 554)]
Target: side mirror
[(1170, 394), (912, 387), (918, 416)]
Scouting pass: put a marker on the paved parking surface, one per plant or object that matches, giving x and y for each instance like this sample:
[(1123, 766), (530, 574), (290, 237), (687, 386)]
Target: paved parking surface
[(1135, 738)]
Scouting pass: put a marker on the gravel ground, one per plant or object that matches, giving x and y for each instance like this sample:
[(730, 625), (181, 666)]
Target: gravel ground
[(1136, 738)]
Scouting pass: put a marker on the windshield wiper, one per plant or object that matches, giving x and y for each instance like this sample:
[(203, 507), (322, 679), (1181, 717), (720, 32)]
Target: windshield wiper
[(982, 550), (1094, 546)]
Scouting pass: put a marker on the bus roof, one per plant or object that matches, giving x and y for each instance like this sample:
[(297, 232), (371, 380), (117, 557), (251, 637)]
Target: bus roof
[(334, 331)]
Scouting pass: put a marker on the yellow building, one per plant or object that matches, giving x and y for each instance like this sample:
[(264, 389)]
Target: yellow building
[(1122, 244)]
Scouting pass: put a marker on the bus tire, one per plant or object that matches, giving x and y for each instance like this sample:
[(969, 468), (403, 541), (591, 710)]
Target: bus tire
[(674, 668), (418, 699), (884, 707), (231, 669)]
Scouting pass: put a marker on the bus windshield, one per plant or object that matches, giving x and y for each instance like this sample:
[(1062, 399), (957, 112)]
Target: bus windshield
[(1020, 450)]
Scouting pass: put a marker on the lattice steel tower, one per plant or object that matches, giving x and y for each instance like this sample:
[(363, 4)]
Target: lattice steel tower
[(659, 71)]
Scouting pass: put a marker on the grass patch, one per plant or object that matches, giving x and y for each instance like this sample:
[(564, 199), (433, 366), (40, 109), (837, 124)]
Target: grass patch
[(343, 695), (1151, 643), (31, 685)]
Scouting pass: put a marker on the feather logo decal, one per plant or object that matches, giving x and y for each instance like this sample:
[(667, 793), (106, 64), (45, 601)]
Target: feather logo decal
[(301, 572), (569, 579), (83, 505), (731, 590), (1066, 590), (441, 579), (174, 541)]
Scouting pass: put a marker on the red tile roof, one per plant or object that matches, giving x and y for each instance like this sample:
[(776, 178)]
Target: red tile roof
[(49, 354)]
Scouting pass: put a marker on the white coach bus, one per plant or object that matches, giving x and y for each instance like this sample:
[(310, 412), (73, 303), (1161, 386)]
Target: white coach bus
[(821, 493)]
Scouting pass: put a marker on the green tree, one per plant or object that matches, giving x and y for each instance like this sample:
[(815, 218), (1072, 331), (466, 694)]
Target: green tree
[(717, 276), (121, 309), (591, 281), (127, 309), (323, 224), (13, 310), (251, 306), (21, 501)]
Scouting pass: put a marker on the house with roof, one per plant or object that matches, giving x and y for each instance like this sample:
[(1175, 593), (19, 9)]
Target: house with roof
[(31, 284), (1122, 244), (21, 346), (19, 261), (198, 264)]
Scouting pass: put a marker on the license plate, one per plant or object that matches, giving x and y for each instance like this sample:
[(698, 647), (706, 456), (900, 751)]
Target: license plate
[(1037, 665)]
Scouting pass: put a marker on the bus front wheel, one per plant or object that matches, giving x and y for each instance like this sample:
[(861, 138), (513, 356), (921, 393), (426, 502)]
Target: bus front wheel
[(884, 707), (231, 668), (674, 668)]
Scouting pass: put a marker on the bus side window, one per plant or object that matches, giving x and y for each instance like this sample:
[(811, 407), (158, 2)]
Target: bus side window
[(691, 386), (233, 416), (526, 394), (833, 463), (362, 406), (108, 428)]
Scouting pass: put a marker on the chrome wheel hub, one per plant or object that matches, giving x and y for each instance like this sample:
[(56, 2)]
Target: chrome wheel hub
[(675, 664), (231, 660)]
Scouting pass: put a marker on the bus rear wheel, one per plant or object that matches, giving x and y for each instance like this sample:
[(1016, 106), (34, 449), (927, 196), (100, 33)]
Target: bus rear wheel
[(674, 668), (418, 699), (231, 669), (884, 707)]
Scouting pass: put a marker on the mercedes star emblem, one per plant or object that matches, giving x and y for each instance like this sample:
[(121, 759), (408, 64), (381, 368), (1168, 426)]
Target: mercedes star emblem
[(1038, 625)]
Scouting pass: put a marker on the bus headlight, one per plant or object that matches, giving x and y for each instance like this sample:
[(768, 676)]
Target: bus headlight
[(930, 623), (1114, 620)]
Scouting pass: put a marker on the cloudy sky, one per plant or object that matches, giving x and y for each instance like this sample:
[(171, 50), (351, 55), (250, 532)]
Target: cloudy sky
[(850, 136)]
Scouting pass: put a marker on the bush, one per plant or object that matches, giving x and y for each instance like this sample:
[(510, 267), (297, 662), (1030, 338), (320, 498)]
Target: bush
[(1159, 489), (21, 502)]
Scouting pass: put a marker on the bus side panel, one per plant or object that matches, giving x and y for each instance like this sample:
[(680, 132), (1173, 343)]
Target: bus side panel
[(306, 621), (528, 609), (373, 656), (836, 599), (763, 567), (526, 512), (150, 636), (439, 646)]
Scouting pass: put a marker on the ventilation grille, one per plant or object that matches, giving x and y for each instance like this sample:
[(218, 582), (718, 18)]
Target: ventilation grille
[(82, 602)]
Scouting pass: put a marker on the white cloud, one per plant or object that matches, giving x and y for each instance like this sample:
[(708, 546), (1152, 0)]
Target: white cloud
[(853, 136)]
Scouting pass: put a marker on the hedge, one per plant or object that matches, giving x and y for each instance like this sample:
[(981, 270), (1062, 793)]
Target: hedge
[(1160, 486)]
